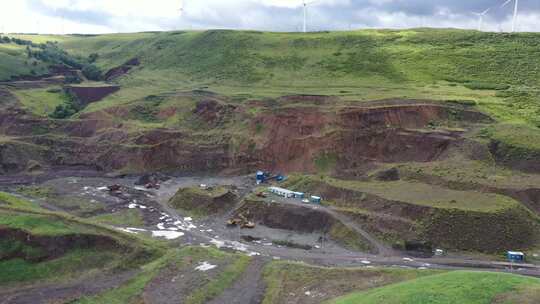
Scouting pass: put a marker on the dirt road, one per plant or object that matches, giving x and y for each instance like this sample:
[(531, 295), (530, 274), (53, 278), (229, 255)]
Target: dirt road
[(249, 289)]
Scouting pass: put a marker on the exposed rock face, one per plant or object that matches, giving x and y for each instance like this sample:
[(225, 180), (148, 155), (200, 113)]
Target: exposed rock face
[(295, 137), (288, 217), (213, 112), (284, 139)]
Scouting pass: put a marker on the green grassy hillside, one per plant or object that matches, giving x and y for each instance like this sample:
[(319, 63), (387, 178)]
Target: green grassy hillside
[(288, 282), (497, 70), (38, 245), (453, 287), (14, 62)]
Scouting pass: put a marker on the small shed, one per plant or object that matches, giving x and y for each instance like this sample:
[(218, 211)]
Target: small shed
[(315, 199), (515, 256)]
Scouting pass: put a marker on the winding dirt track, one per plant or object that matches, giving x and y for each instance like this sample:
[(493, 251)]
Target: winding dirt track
[(382, 249), (249, 289)]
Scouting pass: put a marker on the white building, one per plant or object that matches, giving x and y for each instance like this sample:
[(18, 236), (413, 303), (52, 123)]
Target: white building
[(282, 192)]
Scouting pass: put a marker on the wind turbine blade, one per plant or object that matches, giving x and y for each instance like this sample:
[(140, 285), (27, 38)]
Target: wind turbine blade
[(486, 11), (506, 3)]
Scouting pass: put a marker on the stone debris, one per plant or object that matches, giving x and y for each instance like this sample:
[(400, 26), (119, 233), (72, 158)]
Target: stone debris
[(205, 266), (169, 235)]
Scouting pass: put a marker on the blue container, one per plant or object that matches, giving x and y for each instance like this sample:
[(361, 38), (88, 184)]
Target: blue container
[(315, 199), (515, 256), (260, 176)]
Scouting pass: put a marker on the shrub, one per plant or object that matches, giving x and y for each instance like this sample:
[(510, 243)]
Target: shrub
[(92, 72), (69, 108), (93, 57), (63, 111)]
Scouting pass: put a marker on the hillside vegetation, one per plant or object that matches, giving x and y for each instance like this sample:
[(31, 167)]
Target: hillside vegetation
[(38, 245), (453, 287), (497, 70)]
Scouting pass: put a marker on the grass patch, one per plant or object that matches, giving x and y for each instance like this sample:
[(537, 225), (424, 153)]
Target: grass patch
[(287, 282), (40, 224), (73, 204), (14, 62), (462, 173), (415, 193), (349, 238), (16, 202), (224, 280), (126, 217), (446, 288), (73, 263), (41, 102), (521, 138), (199, 202)]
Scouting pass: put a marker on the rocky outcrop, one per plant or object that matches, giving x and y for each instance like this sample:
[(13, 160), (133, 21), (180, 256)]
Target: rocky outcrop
[(303, 139), (294, 138)]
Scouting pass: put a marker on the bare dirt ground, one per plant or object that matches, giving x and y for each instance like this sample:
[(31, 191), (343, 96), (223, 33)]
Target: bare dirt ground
[(174, 283), (249, 289)]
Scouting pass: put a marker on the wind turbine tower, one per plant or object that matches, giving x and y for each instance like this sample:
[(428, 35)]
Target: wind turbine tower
[(481, 18), (305, 5), (182, 4), (514, 19)]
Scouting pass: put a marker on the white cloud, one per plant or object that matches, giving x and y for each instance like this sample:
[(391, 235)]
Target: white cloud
[(100, 16)]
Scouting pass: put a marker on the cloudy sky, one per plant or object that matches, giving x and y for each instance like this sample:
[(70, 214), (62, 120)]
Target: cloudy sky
[(105, 16)]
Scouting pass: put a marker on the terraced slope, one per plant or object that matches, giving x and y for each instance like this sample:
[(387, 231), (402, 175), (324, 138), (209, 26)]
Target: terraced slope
[(408, 212)]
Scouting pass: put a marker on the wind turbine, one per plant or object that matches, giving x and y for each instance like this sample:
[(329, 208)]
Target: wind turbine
[(514, 19), (305, 4), (182, 4), (481, 18)]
